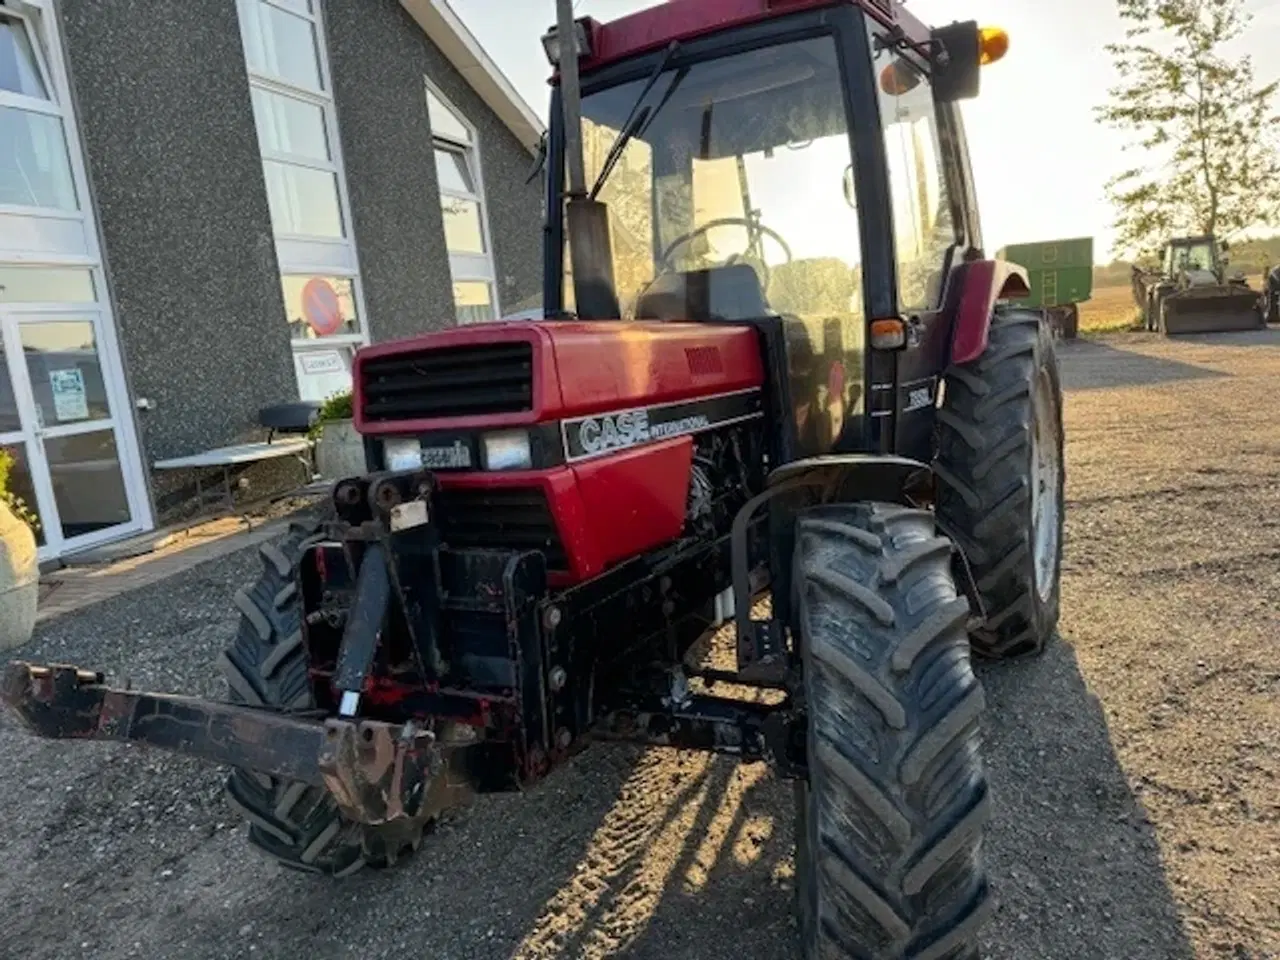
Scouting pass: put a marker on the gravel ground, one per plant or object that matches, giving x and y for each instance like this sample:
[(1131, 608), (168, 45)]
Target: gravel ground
[(1134, 767)]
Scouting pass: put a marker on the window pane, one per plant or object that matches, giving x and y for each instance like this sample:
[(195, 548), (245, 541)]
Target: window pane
[(46, 285), (34, 169), (18, 70), (319, 306), (287, 125), (322, 373), (66, 378), (281, 45), (88, 484), (301, 6), (303, 201), (444, 122), (451, 169), (473, 300), (462, 233), (922, 223)]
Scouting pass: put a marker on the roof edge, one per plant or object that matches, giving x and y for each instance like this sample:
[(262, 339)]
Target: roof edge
[(460, 47)]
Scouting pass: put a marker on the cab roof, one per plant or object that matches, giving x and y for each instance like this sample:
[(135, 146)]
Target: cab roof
[(657, 26)]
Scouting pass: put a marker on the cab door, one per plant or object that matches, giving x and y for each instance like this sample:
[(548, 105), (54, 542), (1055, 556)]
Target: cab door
[(931, 227)]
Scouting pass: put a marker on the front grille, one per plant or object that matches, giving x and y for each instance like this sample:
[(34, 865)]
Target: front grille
[(448, 382), (500, 519)]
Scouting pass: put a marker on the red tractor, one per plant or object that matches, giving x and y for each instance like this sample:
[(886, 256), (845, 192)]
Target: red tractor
[(775, 363)]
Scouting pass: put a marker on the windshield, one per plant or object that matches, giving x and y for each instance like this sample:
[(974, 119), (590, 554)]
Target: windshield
[(1196, 256), (738, 161)]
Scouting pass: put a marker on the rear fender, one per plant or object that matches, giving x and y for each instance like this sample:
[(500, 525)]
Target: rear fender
[(973, 292)]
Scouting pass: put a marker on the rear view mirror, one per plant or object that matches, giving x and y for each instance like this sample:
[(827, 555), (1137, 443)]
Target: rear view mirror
[(956, 62), (959, 51)]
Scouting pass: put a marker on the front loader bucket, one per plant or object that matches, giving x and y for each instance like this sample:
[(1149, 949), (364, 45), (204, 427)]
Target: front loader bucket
[(1216, 312)]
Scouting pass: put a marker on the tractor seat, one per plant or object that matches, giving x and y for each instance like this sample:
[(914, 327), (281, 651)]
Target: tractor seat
[(718, 293)]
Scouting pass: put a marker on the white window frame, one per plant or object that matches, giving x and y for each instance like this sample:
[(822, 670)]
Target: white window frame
[(467, 267), (311, 256), (50, 106), (44, 31)]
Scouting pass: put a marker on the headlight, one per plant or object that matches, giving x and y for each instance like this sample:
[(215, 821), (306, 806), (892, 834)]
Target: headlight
[(404, 454), (507, 450)]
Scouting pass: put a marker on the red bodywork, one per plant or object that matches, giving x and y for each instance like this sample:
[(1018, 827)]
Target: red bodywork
[(978, 286), (620, 504), (651, 29)]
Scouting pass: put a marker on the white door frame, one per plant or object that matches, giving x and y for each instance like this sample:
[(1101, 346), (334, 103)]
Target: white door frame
[(42, 21), (12, 319)]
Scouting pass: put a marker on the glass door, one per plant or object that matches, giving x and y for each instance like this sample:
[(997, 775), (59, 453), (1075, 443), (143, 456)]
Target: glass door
[(58, 420)]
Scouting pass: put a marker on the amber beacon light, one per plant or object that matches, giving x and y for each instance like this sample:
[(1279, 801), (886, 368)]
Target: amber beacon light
[(993, 44)]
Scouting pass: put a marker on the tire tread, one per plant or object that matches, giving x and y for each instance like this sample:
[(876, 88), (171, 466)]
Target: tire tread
[(883, 874), (295, 823), (985, 473)]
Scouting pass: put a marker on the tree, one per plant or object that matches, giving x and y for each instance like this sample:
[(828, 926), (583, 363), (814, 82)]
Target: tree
[(820, 286), (1198, 112)]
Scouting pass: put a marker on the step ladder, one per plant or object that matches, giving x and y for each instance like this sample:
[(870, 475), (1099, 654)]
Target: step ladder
[(1049, 289)]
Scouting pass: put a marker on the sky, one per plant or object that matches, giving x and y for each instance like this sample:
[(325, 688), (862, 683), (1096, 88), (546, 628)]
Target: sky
[(1040, 158)]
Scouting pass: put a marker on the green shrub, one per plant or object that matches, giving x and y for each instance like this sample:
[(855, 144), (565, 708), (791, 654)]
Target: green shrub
[(15, 502), (335, 407)]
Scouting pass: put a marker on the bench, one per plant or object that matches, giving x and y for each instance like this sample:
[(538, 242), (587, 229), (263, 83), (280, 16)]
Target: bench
[(293, 420)]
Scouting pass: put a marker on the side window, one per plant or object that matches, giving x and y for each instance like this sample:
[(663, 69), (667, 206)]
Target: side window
[(923, 222)]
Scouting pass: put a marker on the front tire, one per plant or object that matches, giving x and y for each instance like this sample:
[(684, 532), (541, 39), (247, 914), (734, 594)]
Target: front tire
[(890, 822), (266, 666), (1001, 481)]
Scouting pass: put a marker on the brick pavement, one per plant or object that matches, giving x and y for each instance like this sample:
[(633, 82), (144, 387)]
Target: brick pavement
[(78, 586)]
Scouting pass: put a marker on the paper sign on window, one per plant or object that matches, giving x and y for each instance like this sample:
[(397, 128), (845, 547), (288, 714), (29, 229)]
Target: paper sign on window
[(315, 363), (70, 402)]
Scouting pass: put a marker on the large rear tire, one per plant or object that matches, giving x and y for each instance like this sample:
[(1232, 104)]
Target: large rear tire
[(889, 824), (297, 824), (1001, 481)]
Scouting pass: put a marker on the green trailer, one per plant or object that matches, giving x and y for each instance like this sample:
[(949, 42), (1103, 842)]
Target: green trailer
[(1061, 275)]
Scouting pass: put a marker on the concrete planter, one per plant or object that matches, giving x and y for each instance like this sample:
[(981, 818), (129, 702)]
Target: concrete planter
[(340, 450), (19, 580)]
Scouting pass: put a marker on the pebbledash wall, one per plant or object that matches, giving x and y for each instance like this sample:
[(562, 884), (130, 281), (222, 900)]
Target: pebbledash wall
[(207, 206)]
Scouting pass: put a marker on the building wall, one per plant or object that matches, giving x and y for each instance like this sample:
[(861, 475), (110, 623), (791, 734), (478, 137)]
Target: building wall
[(378, 58), (173, 158)]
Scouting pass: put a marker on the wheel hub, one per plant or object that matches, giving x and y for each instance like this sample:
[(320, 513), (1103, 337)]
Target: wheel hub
[(1045, 481)]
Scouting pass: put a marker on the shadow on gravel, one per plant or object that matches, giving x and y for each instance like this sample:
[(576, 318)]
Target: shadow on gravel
[(1093, 365), (1075, 862), (1269, 337), (717, 885), (624, 853)]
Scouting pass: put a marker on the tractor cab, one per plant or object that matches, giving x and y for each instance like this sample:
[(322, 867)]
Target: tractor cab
[(1187, 255), (808, 164)]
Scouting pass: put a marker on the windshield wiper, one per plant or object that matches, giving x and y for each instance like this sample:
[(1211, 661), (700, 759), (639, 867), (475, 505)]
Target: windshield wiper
[(635, 118)]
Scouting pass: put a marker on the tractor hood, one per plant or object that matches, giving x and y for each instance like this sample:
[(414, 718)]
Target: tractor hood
[(521, 373)]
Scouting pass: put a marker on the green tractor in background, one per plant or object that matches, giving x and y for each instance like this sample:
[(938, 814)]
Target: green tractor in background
[(1191, 292), (1061, 274)]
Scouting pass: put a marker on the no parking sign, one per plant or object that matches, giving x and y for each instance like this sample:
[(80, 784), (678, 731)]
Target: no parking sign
[(320, 306)]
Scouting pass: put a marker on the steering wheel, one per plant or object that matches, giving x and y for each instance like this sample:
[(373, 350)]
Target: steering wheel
[(754, 230)]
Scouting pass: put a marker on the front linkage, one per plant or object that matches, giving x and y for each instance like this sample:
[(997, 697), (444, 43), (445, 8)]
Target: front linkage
[(407, 718), (377, 772)]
